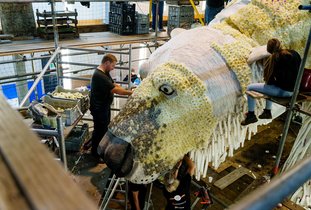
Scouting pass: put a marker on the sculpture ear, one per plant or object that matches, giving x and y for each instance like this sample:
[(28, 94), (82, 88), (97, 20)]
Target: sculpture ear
[(176, 31), (258, 53), (144, 69)]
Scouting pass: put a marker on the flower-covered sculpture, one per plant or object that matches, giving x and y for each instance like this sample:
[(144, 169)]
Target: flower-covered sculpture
[(192, 99)]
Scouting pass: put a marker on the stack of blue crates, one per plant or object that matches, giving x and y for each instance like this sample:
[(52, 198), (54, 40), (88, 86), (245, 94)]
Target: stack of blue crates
[(179, 17), (142, 23), (122, 18)]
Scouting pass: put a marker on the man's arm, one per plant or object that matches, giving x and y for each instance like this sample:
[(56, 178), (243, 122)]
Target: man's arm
[(136, 199), (121, 91), (191, 166)]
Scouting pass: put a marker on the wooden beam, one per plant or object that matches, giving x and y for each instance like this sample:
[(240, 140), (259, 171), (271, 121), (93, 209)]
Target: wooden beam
[(10, 196), (84, 41), (40, 180)]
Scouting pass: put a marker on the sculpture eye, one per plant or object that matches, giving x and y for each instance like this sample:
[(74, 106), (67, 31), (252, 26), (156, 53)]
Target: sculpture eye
[(166, 89)]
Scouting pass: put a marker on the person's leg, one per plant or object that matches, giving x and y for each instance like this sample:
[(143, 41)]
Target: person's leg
[(251, 103), (101, 121), (154, 12), (270, 90), (161, 7), (206, 14), (212, 12)]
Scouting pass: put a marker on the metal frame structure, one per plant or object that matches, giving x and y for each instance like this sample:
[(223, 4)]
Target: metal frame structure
[(292, 105), (56, 57)]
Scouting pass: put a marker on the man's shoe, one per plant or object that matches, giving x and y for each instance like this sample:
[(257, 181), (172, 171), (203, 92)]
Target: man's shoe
[(266, 114), (152, 30), (162, 30), (250, 118)]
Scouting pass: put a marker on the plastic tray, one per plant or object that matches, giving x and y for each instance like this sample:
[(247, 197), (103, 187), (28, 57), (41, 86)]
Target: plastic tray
[(76, 138), (71, 108), (84, 103)]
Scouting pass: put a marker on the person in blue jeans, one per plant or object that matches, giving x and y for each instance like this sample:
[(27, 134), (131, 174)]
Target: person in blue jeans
[(160, 15), (280, 73), (213, 7)]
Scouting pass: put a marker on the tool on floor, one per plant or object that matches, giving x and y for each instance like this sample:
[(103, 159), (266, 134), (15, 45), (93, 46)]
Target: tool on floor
[(203, 195)]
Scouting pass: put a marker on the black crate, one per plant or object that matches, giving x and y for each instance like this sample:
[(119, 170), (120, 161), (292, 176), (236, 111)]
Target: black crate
[(125, 29), (122, 18), (77, 136), (179, 17), (180, 12), (121, 7), (142, 23), (142, 29)]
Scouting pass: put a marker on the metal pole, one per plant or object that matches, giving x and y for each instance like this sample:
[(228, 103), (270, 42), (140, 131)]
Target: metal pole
[(78, 64), (24, 59), (61, 137), (56, 37), (39, 77), (130, 67), (270, 194), (23, 75), (95, 51), (126, 193), (34, 77), (56, 42), (76, 78), (292, 105), (149, 196), (45, 132), (157, 20)]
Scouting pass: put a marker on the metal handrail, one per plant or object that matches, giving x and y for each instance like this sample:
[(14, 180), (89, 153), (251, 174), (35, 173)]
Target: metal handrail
[(270, 194), (57, 51)]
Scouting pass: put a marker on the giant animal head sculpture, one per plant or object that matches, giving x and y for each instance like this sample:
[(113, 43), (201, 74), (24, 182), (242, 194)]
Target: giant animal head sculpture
[(191, 98), (170, 104)]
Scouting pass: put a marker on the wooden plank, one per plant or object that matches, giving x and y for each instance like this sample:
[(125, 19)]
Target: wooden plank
[(85, 40), (10, 196), (291, 205), (231, 177), (42, 180)]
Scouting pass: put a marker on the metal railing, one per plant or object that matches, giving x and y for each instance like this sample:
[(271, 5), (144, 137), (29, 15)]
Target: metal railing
[(272, 193)]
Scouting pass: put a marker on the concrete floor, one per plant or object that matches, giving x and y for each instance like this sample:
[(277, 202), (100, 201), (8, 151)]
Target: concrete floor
[(258, 155)]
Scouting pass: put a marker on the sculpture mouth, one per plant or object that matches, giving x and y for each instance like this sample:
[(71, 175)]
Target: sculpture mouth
[(117, 154)]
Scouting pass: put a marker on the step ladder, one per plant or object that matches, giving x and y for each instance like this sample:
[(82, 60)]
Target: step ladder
[(112, 188)]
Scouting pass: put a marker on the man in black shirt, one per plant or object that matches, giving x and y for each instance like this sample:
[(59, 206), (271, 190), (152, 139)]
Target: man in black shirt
[(177, 193), (102, 90)]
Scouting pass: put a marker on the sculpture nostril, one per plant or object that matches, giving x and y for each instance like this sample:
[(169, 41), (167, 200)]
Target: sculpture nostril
[(117, 154)]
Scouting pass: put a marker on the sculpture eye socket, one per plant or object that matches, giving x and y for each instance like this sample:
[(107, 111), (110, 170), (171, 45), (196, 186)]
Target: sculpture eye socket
[(166, 89)]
